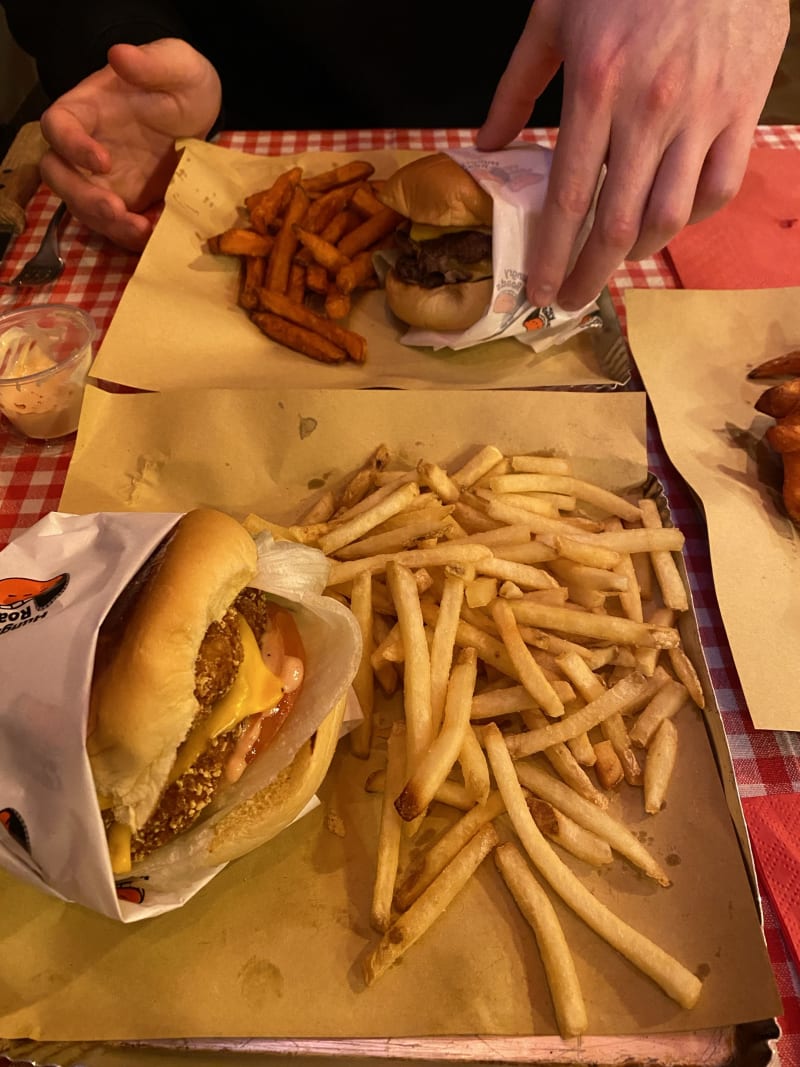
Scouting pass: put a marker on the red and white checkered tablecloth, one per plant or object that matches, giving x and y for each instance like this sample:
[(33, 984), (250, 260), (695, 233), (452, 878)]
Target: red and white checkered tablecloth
[(31, 477)]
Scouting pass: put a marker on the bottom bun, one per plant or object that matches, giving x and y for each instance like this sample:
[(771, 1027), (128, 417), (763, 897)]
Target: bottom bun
[(447, 307), (272, 809)]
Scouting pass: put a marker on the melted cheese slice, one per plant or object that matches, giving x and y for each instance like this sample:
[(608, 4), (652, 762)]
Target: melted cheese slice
[(119, 847), (422, 231), (255, 689)]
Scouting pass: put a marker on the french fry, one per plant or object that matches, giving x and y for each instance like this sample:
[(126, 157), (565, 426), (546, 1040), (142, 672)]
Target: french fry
[(675, 979), (412, 924), (430, 863), (564, 763), (390, 832), (605, 627), (362, 523), (479, 464), (278, 304), (593, 494), (559, 967), (667, 575), (450, 793), (572, 837), (591, 817), (441, 555), (685, 672), (661, 756), (363, 683), (607, 766), (436, 762), (620, 698), (298, 338), (528, 670), (474, 768), (417, 672), (443, 644), (437, 479), (665, 703)]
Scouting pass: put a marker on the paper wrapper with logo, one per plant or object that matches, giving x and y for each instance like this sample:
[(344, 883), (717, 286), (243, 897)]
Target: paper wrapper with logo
[(516, 178), (58, 582)]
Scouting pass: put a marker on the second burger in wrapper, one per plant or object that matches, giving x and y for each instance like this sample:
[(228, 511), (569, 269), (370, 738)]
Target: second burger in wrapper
[(457, 277), (215, 704)]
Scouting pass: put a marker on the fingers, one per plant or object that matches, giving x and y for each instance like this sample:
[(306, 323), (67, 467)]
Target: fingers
[(532, 66), (68, 135), (625, 214), (723, 170), (97, 207), (577, 163)]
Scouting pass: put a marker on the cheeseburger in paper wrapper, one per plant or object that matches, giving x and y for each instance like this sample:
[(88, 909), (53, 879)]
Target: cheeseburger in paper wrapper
[(58, 584), (516, 180)]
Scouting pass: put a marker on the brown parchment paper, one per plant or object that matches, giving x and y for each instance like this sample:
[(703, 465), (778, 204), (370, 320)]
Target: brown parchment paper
[(273, 946), (178, 324), (694, 349)]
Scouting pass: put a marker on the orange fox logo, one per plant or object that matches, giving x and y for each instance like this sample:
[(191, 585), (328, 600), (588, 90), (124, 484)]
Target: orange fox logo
[(12, 821), (14, 592)]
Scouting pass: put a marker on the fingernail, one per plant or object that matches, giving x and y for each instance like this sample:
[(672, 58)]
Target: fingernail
[(542, 296)]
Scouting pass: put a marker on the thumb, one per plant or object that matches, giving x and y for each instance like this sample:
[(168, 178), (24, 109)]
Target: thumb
[(169, 64), (532, 65)]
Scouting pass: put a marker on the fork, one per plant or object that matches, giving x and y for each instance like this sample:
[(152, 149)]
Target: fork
[(46, 265)]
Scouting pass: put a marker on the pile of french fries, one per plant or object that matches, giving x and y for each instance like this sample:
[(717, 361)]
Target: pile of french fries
[(528, 617), (306, 249)]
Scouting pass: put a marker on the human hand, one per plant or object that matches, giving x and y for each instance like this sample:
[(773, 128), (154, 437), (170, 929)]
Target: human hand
[(666, 94), (112, 137)]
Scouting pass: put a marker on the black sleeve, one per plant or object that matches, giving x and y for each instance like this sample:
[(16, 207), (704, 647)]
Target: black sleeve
[(68, 41)]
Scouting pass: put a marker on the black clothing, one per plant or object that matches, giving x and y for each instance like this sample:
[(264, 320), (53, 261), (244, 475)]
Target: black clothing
[(302, 64)]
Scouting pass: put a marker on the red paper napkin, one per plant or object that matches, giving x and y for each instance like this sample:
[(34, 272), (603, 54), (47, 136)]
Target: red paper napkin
[(754, 241), (774, 825)]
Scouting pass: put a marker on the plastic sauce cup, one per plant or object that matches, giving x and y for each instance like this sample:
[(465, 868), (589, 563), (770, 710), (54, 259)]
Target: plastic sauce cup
[(46, 351)]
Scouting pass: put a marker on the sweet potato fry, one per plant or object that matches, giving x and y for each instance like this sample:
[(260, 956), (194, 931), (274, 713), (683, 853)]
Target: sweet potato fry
[(365, 200), (283, 250), (337, 304), (253, 269), (341, 224), (324, 253), (321, 211), (298, 338), (779, 367), (317, 278), (356, 272), (370, 231), (354, 344), (356, 171), (296, 290), (239, 241), (265, 206)]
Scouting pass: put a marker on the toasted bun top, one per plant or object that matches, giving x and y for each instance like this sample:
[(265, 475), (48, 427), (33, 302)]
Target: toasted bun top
[(437, 191), (454, 306), (142, 701)]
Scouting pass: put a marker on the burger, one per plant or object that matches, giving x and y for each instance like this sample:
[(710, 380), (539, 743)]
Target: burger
[(196, 672), (442, 279)]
